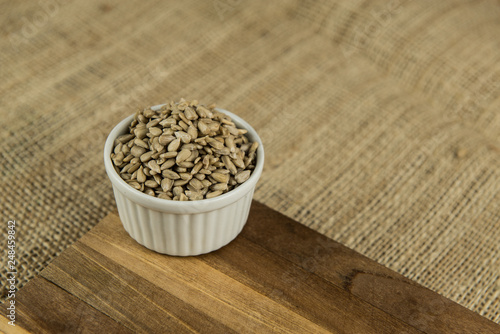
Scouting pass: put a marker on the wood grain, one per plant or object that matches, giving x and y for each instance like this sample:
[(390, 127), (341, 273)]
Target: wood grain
[(276, 277), (42, 307)]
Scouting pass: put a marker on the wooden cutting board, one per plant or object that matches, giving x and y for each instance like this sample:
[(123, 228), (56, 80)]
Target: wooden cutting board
[(277, 276)]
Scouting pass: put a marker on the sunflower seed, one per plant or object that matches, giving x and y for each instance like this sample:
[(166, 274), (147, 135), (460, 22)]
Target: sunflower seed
[(140, 133), (151, 184), (137, 151), (196, 184), (154, 166), (170, 174), (118, 159), (149, 191), (180, 182), (183, 136), (213, 194), (192, 132), (118, 148), (168, 155), (149, 113), (146, 156), (135, 185), (186, 176), (229, 164), (196, 168), (223, 178), (133, 168), (230, 143), (254, 147), (164, 196), (125, 149), (174, 145), (177, 191), (155, 132), (167, 184), (200, 176), (238, 162), (219, 186), (141, 177), (206, 183), (194, 195), (141, 143), (126, 177), (215, 143), (167, 164), (242, 176), (124, 138), (153, 122), (165, 139), (222, 151), (182, 155), (185, 164)]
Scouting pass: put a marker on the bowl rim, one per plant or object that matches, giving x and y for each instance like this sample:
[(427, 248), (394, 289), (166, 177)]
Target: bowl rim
[(182, 207)]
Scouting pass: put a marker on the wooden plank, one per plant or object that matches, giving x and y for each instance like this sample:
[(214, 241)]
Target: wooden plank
[(312, 300), (42, 307), (364, 278), (6, 328)]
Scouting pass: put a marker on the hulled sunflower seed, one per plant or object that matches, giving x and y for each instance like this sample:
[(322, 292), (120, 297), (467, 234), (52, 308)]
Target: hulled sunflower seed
[(170, 174), (167, 164), (167, 184), (229, 164), (185, 164), (155, 132), (180, 182), (141, 177), (200, 176), (215, 143), (174, 145), (219, 186), (140, 133), (177, 191), (213, 194), (133, 168), (146, 156), (151, 184), (154, 166), (196, 168), (196, 184), (137, 151), (165, 139), (182, 155), (124, 138), (242, 176)]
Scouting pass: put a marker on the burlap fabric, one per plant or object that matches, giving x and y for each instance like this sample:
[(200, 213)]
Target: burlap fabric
[(380, 119)]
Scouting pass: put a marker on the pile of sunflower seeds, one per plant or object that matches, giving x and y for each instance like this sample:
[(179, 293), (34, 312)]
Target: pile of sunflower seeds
[(184, 151)]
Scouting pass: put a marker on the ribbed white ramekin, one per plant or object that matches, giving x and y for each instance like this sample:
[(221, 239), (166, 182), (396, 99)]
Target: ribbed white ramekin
[(183, 228)]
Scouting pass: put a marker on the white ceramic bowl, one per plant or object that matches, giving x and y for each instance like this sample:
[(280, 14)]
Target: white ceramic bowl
[(188, 227)]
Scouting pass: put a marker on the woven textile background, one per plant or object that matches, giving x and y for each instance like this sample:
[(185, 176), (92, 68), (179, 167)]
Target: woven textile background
[(380, 119)]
